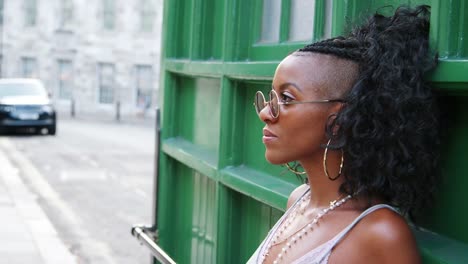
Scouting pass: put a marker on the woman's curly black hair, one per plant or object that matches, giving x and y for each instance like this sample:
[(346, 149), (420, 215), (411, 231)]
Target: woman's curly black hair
[(388, 128)]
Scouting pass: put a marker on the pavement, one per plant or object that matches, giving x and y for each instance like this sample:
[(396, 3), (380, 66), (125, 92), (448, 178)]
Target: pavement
[(26, 233), (147, 120)]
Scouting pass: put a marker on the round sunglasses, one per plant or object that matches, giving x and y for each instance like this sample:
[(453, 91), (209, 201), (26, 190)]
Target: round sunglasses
[(274, 102)]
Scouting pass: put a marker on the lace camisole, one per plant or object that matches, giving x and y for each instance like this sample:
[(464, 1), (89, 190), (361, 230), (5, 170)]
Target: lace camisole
[(320, 254)]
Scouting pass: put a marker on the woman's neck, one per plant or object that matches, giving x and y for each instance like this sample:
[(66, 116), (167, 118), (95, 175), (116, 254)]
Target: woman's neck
[(322, 189)]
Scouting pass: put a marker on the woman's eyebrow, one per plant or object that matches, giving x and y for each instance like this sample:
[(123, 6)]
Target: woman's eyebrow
[(285, 85)]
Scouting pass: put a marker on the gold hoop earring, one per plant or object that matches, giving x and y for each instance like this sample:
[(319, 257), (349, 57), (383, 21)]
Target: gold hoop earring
[(293, 169), (325, 163)]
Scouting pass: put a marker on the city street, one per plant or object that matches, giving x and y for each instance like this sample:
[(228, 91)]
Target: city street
[(94, 181)]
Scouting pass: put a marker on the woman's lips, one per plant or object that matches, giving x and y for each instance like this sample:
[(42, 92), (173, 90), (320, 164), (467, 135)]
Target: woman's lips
[(268, 136)]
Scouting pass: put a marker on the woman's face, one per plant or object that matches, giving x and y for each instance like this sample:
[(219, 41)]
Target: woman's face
[(299, 130)]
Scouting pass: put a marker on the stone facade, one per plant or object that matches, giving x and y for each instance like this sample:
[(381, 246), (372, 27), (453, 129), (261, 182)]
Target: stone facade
[(97, 54)]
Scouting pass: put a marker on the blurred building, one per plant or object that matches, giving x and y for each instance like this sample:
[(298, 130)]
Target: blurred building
[(97, 54)]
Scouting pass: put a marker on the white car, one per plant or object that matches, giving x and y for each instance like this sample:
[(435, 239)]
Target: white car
[(25, 103)]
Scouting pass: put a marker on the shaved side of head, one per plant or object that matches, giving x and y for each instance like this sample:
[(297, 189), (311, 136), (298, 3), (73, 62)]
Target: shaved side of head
[(337, 75)]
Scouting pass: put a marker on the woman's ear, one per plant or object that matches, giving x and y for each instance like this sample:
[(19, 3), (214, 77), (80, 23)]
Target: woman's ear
[(331, 118), (335, 130), (331, 124)]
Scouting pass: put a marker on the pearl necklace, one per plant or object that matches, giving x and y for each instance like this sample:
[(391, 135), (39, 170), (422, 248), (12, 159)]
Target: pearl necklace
[(303, 231)]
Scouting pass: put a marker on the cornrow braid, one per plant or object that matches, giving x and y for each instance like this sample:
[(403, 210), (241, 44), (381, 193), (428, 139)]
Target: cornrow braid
[(345, 48)]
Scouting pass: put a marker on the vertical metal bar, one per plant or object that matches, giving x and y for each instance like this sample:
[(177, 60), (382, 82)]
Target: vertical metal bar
[(72, 107), (117, 110), (203, 216), (320, 20), (157, 142), (193, 27), (285, 21), (461, 40)]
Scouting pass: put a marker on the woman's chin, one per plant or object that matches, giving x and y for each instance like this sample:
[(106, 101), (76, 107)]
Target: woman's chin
[(274, 159)]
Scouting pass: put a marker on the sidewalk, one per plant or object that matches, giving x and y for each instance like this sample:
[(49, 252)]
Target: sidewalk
[(148, 120), (26, 233)]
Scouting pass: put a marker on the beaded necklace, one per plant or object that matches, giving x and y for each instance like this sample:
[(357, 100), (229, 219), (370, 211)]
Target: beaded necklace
[(303, 231)]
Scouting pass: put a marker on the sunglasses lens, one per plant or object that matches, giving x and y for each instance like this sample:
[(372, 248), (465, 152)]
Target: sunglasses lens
[(259, 102), (274, 108)]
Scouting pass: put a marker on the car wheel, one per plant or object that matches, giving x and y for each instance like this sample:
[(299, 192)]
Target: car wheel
[(52, 129)]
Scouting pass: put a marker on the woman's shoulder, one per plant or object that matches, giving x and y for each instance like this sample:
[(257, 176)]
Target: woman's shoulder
[(383, 236), (385, 225), (296, 194)]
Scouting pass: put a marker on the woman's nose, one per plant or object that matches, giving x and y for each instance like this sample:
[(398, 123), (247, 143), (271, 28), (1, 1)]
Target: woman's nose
[(265, 114)]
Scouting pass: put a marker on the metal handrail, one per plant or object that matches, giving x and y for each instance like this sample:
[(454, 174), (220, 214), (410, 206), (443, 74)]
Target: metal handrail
[(140, 232)]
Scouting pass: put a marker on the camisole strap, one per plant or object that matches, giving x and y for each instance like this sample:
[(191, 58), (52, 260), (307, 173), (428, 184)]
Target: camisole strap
[(371, 209), (321, 253)]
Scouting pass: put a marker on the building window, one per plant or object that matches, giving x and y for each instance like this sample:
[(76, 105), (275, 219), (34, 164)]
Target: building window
[(30, 12), (66, 13), (147, 14), (108, 14), (65, 79), (300, 19), (144, 86), (106, 83), (271, 19), (29, 67)]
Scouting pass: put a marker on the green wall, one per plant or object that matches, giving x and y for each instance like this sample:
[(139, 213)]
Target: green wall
[(218, 196)]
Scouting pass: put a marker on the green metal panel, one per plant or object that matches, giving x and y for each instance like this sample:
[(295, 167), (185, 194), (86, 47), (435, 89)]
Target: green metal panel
[(449, 34), (347, 13), (180, 19), (208, 30), (256, 219), (450, 218), (178, 193), (203, 220), (217, 195), (240, 212), (195, 121)]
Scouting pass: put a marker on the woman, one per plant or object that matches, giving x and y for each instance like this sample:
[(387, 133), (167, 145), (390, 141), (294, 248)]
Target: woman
[(357, 115)]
